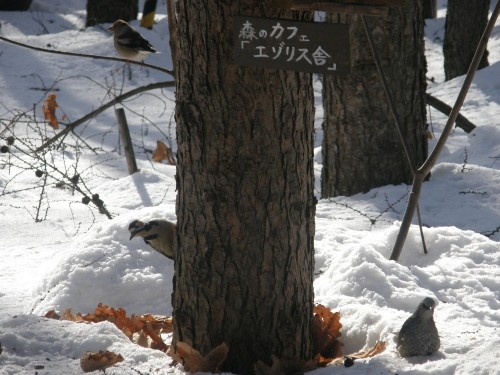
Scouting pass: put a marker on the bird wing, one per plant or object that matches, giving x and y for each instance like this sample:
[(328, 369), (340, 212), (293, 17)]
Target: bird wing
[(408, 326), (135, 40)]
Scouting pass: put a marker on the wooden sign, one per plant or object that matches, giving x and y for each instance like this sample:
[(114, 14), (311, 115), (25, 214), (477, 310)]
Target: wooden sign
[(365, 7), (312, 47)]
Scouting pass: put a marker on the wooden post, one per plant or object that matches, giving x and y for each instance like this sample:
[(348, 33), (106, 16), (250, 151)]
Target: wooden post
[(127, 143), (462, 122)]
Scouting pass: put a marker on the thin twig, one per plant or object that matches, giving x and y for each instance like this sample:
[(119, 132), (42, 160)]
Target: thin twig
[(97, 57), (399, 127), (421, 229), (102, 108)]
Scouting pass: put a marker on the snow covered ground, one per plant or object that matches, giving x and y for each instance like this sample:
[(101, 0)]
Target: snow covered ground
[(75, 257)]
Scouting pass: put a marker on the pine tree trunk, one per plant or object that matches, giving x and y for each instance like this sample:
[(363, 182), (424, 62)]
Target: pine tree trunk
[(361, 148), (99, 11), (245, 206), (430, 8), (465, 24)]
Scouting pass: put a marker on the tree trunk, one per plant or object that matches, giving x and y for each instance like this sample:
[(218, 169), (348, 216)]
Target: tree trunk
[(99, 11), (361, 148), (430, 8), (245, 205), (465, 23)]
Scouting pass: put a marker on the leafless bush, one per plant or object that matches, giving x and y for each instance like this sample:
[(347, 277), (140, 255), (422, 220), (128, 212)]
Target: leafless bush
[(51, 160)]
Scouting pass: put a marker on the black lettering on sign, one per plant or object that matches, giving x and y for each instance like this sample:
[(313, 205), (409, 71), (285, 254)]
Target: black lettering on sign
[(313, 47)]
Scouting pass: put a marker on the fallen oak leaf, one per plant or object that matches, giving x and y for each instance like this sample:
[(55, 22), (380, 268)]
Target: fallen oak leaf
[(157, 340), (214, 359), (329, 321), (141, 339), (194, 361), (326, 331), (185, 354), (148, 325), (91, 361), (376, 349), (52, 314), (69, 315)]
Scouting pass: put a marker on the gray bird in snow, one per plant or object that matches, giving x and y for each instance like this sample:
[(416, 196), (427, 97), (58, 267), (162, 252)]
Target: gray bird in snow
[(129, 43), (419, 335), (158, 233)]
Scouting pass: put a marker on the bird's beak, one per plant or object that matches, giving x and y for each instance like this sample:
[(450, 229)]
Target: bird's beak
[(110, 29), (134, 233)]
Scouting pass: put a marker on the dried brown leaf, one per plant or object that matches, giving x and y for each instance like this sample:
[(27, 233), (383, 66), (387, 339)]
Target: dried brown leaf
[(326, 331), (91, 361), (51, 314), (69, 315), (141, 339), (163, 152), (155, 336), (376, 349), (329, 321), (214, 359), (49, 110), (148, 325), (194, 361)]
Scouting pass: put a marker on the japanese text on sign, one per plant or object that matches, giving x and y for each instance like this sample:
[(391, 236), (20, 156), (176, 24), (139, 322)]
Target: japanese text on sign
[(302, 46)]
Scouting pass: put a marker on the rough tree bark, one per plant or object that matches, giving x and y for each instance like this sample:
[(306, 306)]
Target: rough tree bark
[(430, 8), (465, 23), (245, 205), (99, 11), (361, 149)]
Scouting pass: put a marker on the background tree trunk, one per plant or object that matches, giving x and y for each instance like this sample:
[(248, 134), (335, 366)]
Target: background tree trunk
[(245, 206), (361, 149), (465, 23), (99, 11), (430, 8)]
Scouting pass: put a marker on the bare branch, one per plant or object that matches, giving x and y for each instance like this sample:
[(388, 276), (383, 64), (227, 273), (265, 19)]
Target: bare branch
[(97, 57), (431, 160), (102, 108)]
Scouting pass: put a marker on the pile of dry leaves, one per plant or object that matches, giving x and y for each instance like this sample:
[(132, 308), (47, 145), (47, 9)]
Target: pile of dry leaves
[(146, 330)]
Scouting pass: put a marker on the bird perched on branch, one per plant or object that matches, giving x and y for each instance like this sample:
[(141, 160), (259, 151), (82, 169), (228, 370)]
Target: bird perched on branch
[(129, 43), (419, 335), (158, 233)]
